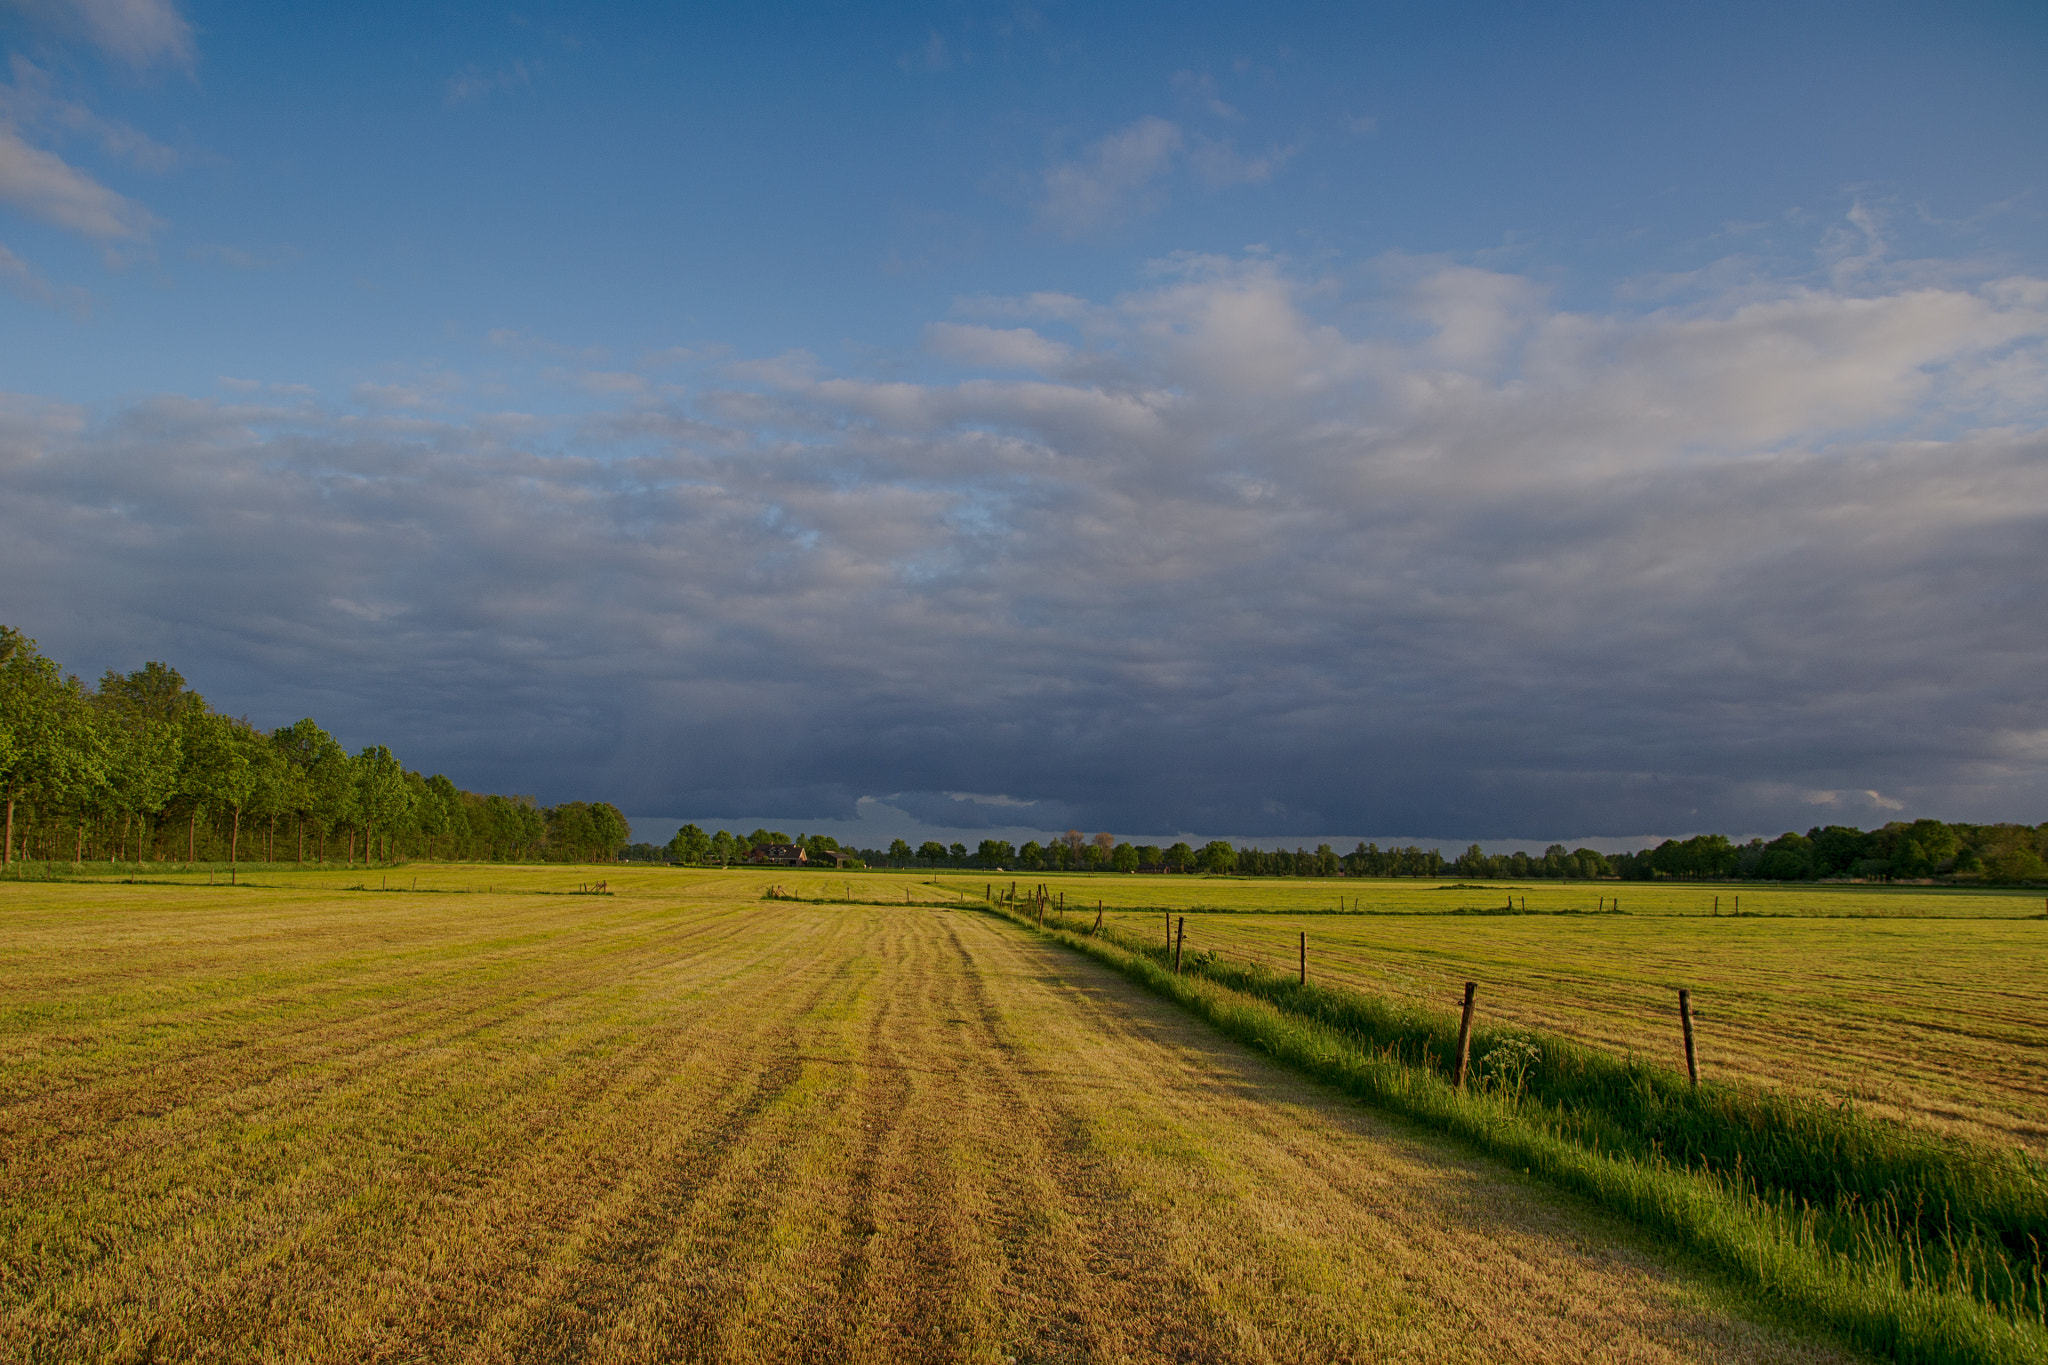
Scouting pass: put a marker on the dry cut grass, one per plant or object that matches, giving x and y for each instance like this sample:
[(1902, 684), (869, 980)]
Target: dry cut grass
[(291, 1122)]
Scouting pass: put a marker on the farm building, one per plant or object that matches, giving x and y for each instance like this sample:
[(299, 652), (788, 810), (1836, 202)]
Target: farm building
[(779, 855)]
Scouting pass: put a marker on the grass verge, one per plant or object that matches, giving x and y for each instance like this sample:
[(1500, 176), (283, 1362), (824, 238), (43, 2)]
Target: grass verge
[(1905, 1244)]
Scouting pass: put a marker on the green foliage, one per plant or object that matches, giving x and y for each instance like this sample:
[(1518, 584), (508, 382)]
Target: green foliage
[(690, 845), (584, 832), (142, 767)]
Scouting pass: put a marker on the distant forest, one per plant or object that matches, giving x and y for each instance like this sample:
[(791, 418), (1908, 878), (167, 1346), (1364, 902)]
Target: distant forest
[(141, 769), (1922, 849)]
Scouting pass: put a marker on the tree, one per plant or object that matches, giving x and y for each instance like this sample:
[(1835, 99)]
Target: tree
[(2015, 864), (52, 753), (1217, 856), (725, 849), (382, 799), (1031, 857), (333, 781), (302, 745), (690, 845), (1124, 858), (931, 851), (995, 853), (899, 853), (958, 852), (1180, 856), (145, 711)]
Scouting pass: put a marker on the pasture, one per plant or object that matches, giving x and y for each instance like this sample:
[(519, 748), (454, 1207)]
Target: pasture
[(1911, 1001), (491, 1118), (1915, 1003)]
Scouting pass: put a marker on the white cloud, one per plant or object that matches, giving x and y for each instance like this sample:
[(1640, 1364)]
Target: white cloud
[(141, 33), (40, 183), (1003, 348), (1253, 548), (32, 102), (1112, 181), (934, 55), (1221, 165), (473, 83), (20, 277), (1200, 87), (599, 381)]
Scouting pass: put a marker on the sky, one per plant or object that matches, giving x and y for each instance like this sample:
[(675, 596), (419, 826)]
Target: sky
[(1484, 422)]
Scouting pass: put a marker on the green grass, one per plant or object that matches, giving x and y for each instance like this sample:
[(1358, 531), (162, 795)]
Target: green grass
[(1908, 1244), (1446, 895)]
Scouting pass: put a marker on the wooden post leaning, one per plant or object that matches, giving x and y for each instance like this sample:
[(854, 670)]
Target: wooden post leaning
[(1465, 1035), (1304, 957), (1178, 939), (1692, 1060), (1098, 919)]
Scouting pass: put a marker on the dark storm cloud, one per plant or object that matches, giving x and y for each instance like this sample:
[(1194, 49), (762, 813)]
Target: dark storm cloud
[(1469, 566)]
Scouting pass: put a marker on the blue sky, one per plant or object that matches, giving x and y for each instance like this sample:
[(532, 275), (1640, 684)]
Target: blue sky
[(1503, 422)]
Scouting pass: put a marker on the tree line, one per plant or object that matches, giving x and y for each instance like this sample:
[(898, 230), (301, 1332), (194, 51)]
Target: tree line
[(1903, 850), (141, 769), (1916, 850)]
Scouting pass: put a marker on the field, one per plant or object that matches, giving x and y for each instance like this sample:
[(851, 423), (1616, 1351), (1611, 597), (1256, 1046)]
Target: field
[(1915, 1003), (493, 1119)]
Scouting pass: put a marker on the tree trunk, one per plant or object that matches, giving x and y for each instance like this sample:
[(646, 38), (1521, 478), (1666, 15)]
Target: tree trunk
[(7, 853), (235, 836), (270, 843), (351, 858), (302, 841), (192, 836), (78, 843)]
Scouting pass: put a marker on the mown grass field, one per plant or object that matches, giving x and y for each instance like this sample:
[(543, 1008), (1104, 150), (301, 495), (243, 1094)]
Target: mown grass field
[(1917, 1003), (490, 1119)]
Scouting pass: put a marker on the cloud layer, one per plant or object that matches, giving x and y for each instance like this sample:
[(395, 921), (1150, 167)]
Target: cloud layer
[(1246, 550)]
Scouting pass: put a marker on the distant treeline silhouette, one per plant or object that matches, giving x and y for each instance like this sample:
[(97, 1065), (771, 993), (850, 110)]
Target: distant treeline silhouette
[(1921, 849), (141, 769)]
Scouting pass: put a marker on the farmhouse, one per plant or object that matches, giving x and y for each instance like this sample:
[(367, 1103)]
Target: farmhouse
[(779, 855)]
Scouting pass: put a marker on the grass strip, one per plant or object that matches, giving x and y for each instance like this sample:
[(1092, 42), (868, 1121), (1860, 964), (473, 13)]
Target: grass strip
[(1872, 1279)]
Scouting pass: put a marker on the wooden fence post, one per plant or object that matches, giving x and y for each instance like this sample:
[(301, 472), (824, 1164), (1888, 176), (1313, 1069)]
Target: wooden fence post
[(1304, 957), (1692, 1061), (1098, 919), (1465, 1034), (1178, 939)]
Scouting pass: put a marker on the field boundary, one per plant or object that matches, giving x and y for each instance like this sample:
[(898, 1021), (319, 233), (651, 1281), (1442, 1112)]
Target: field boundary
[(1772, 1249)]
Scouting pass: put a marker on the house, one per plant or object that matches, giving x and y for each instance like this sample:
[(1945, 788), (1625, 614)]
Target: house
[(779, 855)]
